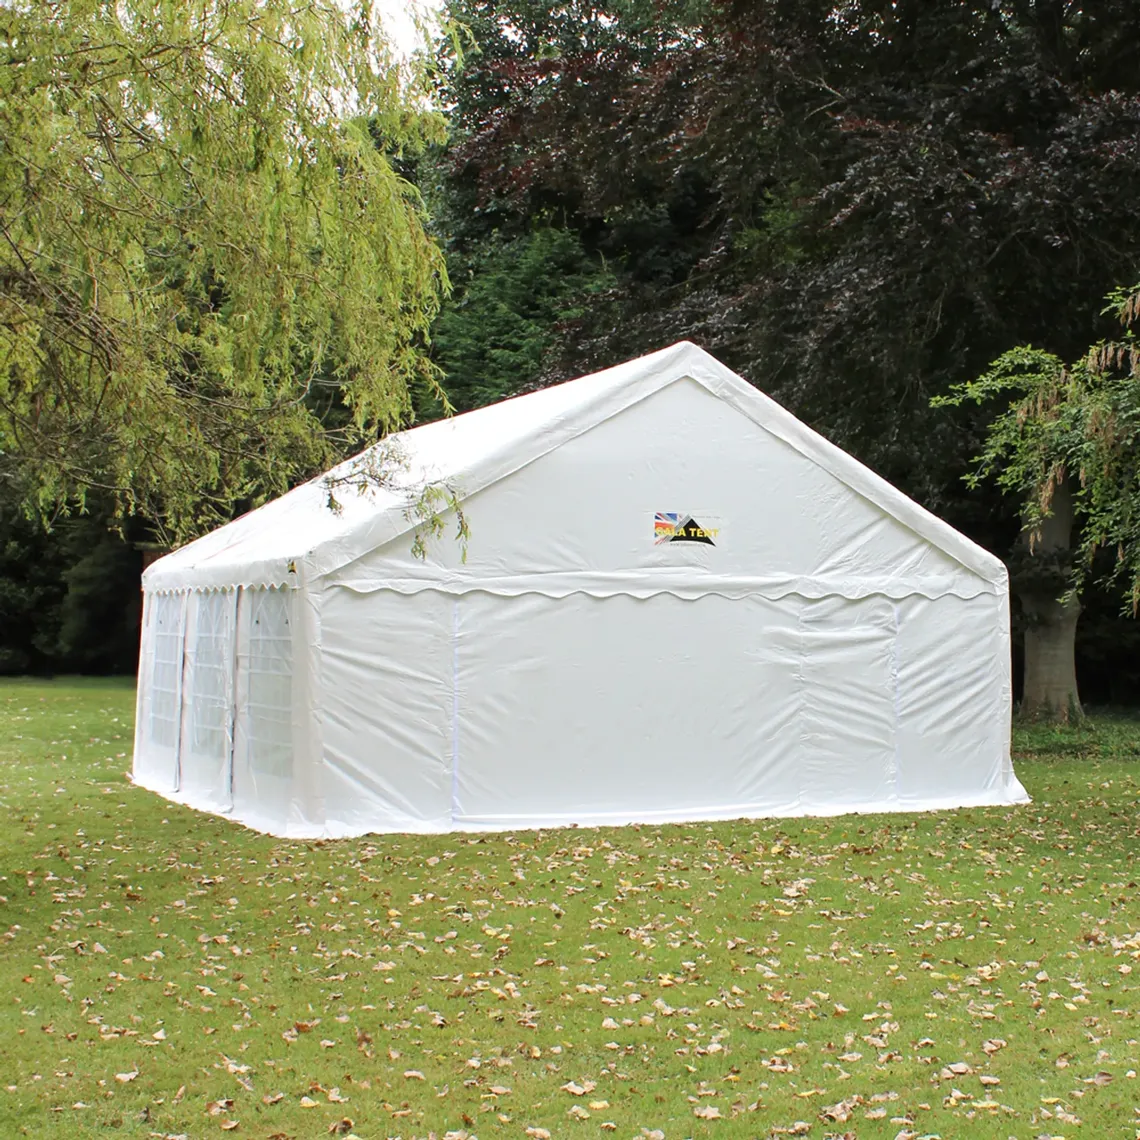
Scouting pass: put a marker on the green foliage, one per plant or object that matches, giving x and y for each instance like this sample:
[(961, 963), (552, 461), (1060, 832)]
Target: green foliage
[(31, 591), (534, 169), (69, 597), (385, 467), (100, 612), (1079, 422), (512, 296), (203, 236), (173, 973), (1029, 445)]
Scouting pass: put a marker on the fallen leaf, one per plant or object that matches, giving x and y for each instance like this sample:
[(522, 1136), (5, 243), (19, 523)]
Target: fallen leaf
[(840, 1113), (575, 1089)]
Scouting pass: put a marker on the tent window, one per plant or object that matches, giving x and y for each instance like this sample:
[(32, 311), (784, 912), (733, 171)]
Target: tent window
[(211, 700), (165, 679), (270, 683)]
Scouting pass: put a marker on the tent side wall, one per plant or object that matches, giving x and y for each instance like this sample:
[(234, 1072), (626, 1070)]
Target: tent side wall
[(388, 706), (220, 722)]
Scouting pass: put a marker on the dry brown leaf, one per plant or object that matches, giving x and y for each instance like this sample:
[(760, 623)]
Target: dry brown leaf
[(576, 1089)]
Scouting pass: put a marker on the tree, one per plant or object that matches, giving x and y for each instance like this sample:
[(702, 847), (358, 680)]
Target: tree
[(868, 202), (204, 249), (1067, 446), (510, 301), (536, 152), (69, 597)]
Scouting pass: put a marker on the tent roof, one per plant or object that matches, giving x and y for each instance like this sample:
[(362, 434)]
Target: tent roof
[(297, 537)]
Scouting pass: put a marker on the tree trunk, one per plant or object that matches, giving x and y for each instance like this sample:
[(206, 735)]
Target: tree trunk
[(1050, 691), (1050, 681)]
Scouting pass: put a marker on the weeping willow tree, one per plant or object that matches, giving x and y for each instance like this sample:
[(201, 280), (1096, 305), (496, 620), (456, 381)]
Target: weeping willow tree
[(1067, 445), (213, 280)]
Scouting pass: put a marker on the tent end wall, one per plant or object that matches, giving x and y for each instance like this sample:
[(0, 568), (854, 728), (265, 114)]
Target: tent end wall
[(225, 717)]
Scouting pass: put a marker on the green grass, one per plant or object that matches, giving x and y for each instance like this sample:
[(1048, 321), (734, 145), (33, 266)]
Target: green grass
[(166, 973)]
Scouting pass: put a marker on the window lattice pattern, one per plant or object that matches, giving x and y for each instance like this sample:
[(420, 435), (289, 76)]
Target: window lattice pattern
[(210, 687), (165, 682), (270, 683)]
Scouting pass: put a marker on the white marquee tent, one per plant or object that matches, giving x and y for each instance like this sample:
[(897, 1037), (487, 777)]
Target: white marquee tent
[(676, 602)]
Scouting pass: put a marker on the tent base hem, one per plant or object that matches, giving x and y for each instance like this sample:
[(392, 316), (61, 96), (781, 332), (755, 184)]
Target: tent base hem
[(1009, 794)]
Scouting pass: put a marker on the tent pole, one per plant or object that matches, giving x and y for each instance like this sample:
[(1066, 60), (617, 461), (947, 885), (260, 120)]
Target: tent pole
[(233, 697), (455, 711), (183, 629)]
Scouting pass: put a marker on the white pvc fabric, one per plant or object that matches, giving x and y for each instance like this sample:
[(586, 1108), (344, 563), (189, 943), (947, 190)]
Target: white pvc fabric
[(813, 642)]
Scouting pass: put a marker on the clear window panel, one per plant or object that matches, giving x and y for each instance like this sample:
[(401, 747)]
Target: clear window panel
[(210, 690), (270, 683), (167, 668)]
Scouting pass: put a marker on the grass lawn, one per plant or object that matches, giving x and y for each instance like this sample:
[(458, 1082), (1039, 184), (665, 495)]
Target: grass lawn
[(164, 973)]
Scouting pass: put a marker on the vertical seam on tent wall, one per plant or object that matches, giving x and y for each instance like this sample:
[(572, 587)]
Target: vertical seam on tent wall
[(801, 658), (895, 699), (233, 694), (455, 710), (183, 628)]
